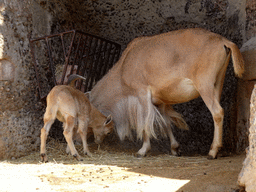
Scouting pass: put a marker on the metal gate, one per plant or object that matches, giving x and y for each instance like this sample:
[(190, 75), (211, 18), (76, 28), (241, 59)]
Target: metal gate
[(57, 56)]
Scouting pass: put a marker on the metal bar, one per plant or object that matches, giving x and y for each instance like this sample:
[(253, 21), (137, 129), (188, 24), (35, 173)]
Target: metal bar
[(91, 66), (113, 58), (80, 60), (96, 63), (76, 52), (63, 45), (74, 31), (118, 51), (99, 38), (86, 56), (110, 60), (80, 57), (101, 63), (67, 58), (50, 36), (36, 69), (105, 67), (51, 61), (83, 72)]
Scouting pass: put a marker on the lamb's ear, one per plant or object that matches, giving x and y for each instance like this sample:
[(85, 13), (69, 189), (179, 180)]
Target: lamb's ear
[(87, 94), (108, 120)]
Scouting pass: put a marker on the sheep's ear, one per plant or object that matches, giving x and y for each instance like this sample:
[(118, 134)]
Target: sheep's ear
[(87, 94), (108, 120)]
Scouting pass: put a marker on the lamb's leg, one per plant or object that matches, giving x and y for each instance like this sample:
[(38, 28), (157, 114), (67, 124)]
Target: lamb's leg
[(68, 134), (49, 118), (82, 130), (44, 133)]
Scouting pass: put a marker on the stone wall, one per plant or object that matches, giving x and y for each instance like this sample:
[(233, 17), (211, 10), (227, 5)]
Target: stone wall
[(247, 88), (20, 110), (247, 176), (247, 115), (121, 21), (250, 19), (244, 91)]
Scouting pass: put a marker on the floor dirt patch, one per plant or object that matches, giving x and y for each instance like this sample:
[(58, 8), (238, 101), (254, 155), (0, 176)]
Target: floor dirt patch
[(116, 170)]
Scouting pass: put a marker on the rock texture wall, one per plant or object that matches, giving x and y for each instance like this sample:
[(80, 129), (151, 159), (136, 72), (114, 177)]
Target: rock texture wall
[(247, 117), (247, 87), (244, 91), (20, 111), (120, 21), (247, 176), (250, 19), (124, 20)]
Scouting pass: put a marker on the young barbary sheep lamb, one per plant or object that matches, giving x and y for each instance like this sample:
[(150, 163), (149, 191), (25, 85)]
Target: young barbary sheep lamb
[(72, 107)]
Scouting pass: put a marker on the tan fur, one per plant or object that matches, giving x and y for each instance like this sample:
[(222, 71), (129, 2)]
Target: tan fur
[(162, 70), (72, 107)]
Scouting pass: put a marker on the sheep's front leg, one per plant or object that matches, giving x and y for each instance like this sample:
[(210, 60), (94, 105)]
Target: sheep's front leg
[(82, 130)]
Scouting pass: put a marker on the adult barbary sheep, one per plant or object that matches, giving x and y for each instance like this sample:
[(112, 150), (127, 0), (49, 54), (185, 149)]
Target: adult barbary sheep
[(156, 72), (72, 107)]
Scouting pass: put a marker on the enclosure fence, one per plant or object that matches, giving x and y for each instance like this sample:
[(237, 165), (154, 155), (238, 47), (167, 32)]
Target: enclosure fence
[(57, 56)]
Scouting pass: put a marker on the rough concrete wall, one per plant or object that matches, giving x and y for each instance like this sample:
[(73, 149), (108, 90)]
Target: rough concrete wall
[(122, 21), (250, 18), (248, 114), (20, 111), (244, 91), (247, 176)]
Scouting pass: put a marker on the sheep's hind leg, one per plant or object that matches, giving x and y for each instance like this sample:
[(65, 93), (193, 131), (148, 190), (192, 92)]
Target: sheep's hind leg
[(68, 134)]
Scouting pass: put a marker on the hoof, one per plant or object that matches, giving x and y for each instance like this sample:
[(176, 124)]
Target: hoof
[(44, 157), (78, 158), (176, 152), (139, 155), (88, 154), (43, 154), (211, 157)]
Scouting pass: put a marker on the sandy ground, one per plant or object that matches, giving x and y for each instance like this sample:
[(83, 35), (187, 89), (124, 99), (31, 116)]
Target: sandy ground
[(116, 170)]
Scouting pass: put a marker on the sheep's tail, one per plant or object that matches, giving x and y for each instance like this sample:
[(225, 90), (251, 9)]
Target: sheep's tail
[(72, 79), (237, 58)]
